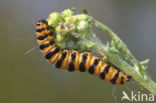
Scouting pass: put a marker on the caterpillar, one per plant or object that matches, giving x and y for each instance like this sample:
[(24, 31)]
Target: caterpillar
[(75, 60)]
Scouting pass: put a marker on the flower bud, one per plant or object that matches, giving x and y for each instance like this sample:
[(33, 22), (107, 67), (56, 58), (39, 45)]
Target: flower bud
[(83, 25), (67, 13), (54, 19)]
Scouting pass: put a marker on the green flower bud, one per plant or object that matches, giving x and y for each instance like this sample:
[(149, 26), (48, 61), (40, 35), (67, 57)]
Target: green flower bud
[(54, 19), (67, 13), (61, 32), (83, 26), (81, 17), (70, 19), (59, 38)]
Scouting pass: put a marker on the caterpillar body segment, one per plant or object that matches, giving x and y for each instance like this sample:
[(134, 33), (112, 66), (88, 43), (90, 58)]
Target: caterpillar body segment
[(75, 60)]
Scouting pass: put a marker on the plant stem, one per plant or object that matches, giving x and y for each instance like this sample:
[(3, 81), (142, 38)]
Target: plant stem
[(78, 28), (124, 66), (111, 33)]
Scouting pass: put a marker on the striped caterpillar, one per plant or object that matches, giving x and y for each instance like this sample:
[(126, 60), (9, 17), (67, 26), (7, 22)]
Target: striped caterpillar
[(75, 60)]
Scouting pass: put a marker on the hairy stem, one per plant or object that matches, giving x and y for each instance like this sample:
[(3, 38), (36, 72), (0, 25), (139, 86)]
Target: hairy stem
[(140, 77)]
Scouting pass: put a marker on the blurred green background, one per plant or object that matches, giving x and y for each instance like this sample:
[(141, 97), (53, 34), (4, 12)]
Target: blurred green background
[(31, 79)]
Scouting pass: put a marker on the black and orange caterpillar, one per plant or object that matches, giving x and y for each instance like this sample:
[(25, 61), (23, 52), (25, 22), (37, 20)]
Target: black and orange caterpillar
[(74, 60)]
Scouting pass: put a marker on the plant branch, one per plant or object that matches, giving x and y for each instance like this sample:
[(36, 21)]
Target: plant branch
[(140, 77), (78, 29)]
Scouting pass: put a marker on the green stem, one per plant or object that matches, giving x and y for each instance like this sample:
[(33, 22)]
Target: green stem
[(141, 77), (77, 28), (111, 33)]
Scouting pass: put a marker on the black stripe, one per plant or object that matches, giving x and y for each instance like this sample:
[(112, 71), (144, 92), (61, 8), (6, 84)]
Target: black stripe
[(38, 24), (91, 69), (71, 65), (115, 78), (82, 66), (40, 30), (49, 28), (122, 82), (129, 77), (50, 54), (102, 75), (42, 37), (43, 21), (43, 46), (59, 62), (51, 33)]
